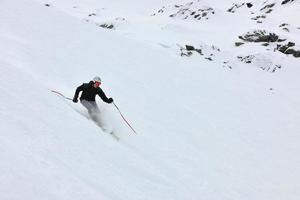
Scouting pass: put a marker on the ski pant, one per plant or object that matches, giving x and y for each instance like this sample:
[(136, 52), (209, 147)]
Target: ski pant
[(95, 114)]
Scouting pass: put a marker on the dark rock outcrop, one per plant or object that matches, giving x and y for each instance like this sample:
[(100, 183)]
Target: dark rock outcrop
[(286, 1), (297, 54), (260, 61), (286, 49), (266, 39), (189, 48), (259, 36), (267, 6), (195, 10), (249, 5), (107, 26), (237, 44), (235, 7)]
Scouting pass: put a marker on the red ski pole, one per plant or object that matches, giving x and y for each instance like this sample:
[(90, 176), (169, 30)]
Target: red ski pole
[(61, 95), (124, 118), (113, 103)]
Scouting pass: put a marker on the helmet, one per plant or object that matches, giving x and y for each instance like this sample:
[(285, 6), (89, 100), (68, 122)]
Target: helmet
[(97, 79)]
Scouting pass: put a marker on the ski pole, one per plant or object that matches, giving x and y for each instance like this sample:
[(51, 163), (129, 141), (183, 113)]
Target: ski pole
[(113, 103), (61, 95), (124, 118)]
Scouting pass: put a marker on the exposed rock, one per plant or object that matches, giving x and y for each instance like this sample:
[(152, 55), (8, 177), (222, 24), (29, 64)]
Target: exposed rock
[(284, 24), (291, 44), (227, 65), (120, 19), (286, 49), (276, 67), (282, 49), (261, 61), (92, 14), (249, 5), (195, 10), (203, 50), (286, 1), (107, 26), (189, 48), (272, 37), (237, 44), (246, 59), (187, 51), (259, 36), (187, 54), (209, 58), (196, 16), (235, 7), (286, 29), (281, 40), (269, 11), (199, 51), (267, 6), (290, 51), (215, 48), (192, 48), (47, 4), (297, 54), (259, 17), (161, 10)]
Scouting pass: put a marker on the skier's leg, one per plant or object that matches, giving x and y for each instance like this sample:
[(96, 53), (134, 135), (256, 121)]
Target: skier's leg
[(95, 114), (99, 119), (92, 109), (87, 105)]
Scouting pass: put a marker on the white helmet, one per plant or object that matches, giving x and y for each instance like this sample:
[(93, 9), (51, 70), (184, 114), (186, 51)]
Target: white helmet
[(97, 79)]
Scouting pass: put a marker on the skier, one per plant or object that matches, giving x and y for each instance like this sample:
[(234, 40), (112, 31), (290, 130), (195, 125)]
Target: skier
[(87, 99)]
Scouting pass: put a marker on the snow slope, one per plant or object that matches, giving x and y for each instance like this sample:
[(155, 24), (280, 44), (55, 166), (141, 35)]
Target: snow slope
[(204, 131)]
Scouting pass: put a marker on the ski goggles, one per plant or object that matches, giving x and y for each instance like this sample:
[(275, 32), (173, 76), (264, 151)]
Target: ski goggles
[(97, 83)]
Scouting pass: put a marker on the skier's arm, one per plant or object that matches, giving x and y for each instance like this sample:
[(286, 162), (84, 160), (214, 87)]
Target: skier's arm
[(104, 97), (79, 89)]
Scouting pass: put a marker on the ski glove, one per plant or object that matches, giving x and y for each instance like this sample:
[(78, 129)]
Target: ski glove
[(75, 100), (110, 100)]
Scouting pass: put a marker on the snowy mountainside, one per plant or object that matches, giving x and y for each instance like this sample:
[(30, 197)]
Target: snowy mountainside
[(214, 120)]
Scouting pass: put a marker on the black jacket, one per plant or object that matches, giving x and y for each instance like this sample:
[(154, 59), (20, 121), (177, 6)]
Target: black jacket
[(89, 92)]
